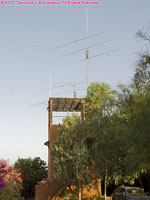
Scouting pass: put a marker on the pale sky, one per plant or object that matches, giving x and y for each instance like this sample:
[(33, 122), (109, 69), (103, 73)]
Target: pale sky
[(28, 33)]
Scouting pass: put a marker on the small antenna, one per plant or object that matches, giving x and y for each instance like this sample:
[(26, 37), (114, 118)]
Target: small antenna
[(75, 92), (75, 84), (50, 88)]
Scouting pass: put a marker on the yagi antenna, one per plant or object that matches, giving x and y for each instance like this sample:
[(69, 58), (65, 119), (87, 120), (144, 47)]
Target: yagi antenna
[(86, 47), (102, 54), (75, 41)]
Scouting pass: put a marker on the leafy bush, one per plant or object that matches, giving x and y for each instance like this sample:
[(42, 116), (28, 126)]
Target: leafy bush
[(10, 181), (34, 170)]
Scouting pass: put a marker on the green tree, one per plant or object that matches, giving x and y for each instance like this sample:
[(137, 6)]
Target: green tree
[(128, 103), (141, 77), (137, 107), (108, 124), (70, 156), (34, 170), (133, 106), (133, 119), (142, 73), (112, 143), (101, 131), (138, 113)]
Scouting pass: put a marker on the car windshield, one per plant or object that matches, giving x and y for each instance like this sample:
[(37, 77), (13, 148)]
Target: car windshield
[(134, 191)]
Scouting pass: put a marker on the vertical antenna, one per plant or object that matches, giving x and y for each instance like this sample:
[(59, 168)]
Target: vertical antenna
[(87, 51), (75, 92), (50, 82)]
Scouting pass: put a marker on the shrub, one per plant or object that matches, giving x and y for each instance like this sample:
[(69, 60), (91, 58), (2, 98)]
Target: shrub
[(10, 181)]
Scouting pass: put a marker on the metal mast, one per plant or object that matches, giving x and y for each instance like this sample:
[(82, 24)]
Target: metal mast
[(87, 51)]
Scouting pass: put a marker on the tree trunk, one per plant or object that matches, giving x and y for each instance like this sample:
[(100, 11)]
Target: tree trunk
[(105, 185), (80, 191)]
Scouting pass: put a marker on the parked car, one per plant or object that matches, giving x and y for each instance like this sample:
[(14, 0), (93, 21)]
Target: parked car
[(129, 193)]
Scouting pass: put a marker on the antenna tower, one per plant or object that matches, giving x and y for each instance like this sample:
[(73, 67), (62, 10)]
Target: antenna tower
[(87, 50)]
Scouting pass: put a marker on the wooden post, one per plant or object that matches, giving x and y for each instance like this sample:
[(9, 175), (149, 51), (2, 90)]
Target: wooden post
[(83, 111)]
